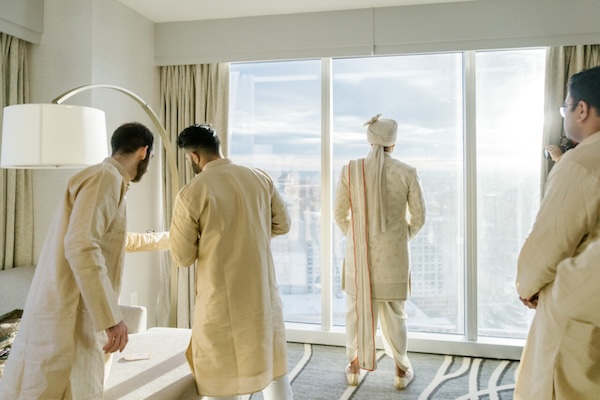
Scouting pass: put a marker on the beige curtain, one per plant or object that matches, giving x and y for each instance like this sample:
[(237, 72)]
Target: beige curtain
[(16, 192), (561, 63), (191, 94)]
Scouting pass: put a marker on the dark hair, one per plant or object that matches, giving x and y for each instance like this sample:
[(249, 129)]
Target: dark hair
[(129, 137), (585, 86), (199, 137)]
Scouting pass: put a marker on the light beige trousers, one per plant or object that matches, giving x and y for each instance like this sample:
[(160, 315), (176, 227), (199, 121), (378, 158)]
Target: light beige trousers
[(393, 326)]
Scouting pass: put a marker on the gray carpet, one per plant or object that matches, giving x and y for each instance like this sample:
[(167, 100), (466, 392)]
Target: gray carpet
[(317, 373)]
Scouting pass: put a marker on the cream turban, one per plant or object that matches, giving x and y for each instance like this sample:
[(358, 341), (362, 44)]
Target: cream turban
[(381, 132)]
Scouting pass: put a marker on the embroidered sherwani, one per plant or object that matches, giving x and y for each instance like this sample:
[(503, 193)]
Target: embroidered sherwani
[(225, 218), (567, 222), (73, 298), (387, 253)]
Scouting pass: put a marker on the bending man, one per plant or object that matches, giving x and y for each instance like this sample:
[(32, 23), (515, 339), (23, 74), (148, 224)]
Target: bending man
[(72, 321), (225, 219)]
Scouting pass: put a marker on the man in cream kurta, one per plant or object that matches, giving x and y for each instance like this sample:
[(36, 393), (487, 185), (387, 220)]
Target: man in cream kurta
[(225, 218), (379, 206), (552, 366), (72, 321)]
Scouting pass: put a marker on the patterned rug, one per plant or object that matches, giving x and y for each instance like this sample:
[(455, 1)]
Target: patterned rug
[(317, 373)]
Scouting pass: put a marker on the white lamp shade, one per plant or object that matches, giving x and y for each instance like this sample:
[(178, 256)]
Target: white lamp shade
[(52, 136)]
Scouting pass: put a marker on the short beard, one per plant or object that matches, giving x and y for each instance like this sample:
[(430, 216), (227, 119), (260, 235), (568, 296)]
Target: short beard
[(196, 168), (142, 168)]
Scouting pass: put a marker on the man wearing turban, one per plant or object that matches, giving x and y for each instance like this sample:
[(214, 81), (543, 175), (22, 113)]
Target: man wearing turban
[(379, 207)]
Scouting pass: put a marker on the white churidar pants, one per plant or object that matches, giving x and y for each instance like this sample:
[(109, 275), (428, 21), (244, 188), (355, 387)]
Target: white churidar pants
[(278, 389), (393, 326)]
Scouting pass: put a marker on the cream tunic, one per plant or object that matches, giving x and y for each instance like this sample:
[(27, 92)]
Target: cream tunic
[(568, 220), (388, 252), (57, 353), (577, 282), (225, 218)]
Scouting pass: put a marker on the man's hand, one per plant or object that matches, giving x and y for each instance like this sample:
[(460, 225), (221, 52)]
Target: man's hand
[(117, 338), (554, 151), (530, 302)]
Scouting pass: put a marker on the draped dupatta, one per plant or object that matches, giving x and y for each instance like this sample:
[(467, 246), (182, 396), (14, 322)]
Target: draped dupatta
[(362, 279)]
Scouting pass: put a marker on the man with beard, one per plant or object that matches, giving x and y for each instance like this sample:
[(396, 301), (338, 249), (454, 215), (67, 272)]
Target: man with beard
[(72, 321), (225, 218)]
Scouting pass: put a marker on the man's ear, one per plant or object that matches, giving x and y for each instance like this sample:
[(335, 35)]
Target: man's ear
[(195, 157), (143, 152), (584, 112)]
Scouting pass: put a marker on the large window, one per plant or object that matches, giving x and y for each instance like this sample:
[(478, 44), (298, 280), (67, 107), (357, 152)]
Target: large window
[(277, 111)]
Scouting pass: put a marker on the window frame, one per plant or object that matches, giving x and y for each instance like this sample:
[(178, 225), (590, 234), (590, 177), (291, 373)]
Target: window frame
[(467, 344)]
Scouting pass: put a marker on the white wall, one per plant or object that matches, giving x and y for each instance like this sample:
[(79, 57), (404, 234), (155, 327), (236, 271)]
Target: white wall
[(23, 19), (473, 25), (102, 41)]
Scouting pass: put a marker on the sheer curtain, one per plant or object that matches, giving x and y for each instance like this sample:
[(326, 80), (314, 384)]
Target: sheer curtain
[(561, 63), (191, 94), (16, 191)]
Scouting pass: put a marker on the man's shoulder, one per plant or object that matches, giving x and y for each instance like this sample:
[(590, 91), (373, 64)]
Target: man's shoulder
[(583, 158), (216, 175), (246, 169), (394, 163), (230, 168), (259, 171), (102, 170)]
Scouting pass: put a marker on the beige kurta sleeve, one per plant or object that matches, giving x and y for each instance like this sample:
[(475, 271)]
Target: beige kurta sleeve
[(569, 211), (149, 241), (94, 209), (280, 219), (341, 209), (417, 209), (185, 230)]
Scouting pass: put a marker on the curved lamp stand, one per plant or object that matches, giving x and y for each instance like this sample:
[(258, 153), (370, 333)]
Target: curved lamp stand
[(171, 161)]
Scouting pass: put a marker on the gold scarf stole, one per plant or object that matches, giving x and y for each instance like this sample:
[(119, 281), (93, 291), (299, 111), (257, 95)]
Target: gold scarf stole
[(362, 279)]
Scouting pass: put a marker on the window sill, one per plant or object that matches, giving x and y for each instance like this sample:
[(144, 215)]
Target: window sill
[(484, 347)]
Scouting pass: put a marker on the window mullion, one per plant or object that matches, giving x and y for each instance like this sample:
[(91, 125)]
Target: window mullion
[(470, 154), (326, 197)]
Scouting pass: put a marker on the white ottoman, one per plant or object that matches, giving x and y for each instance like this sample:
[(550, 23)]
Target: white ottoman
[(165, 375)]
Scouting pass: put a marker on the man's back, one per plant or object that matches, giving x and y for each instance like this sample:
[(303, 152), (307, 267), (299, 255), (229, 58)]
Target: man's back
[(238, 319), (403, 192), (388, 251)]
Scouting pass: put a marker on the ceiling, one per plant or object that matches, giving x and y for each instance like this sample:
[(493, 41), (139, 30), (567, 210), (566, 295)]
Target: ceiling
[(193, 10)]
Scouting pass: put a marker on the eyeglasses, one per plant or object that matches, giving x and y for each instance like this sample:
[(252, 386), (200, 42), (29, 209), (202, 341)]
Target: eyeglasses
[(563, 109)]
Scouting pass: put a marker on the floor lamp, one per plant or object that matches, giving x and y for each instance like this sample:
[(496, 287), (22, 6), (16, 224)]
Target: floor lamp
[(65, 136)]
